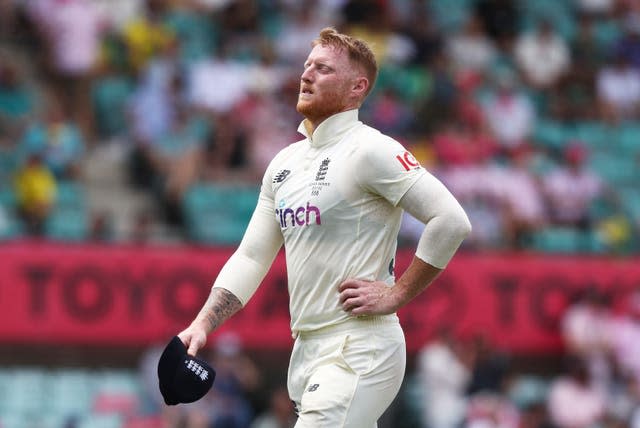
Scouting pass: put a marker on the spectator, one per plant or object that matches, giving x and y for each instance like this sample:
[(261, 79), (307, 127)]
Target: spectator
[(227, 151), (71, 30), (500, 19), (509, 113), (237, 380), (543, 56), (439, 105), (231, 76), (522, 199), (624, 338), (58, 141), (456, 144), (147, 36), (119, 13), (477, 188), (265, 117), (489, 369), (152, 112), (491, 410), (373, 22), (176, 160), (35, 189), (618, 89), (571, 188), (280, 413), (291, 42), (160, 91), (586, 327), (629, 44), (389, 113), (18, 99), (588, 54), (423, 34), (240, 21), (444, 375), (574, 401), (595, 8), (471, 49)]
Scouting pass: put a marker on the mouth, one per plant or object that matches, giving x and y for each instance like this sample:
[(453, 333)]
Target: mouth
[(306, 91)]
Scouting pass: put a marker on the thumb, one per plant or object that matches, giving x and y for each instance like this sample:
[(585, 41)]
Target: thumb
[(194, 345), (193, 348)]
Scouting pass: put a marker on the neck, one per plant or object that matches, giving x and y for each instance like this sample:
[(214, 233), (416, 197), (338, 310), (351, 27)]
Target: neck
[(312, 123), (310, 126)]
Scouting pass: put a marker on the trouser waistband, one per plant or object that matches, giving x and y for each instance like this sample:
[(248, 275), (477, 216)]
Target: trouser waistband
[(351, 324)]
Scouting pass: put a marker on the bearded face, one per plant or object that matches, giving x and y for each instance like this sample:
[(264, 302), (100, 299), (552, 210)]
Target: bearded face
[(325, 86)]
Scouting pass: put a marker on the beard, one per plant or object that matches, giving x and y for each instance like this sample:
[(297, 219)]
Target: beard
[(320, 107)]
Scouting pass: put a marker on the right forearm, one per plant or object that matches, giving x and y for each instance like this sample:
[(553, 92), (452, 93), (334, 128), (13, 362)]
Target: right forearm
[(220, 305)]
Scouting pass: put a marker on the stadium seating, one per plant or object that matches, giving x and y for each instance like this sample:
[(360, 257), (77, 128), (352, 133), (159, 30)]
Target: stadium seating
[(53, 398), (109, 95), (69, 220), (551, 134), (559, 239), (218, 214)]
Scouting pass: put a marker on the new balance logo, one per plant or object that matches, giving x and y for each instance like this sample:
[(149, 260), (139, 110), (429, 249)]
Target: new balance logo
[(313, 387), (281, 176)]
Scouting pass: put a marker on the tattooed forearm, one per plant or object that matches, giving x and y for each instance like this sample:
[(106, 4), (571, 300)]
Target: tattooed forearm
[(220, 305)]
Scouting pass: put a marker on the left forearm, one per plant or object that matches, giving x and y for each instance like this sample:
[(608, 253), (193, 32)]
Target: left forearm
[(418, 276)]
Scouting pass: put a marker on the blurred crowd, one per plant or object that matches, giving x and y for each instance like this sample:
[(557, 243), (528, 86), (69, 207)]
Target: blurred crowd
[(473, 384), (528, 110)]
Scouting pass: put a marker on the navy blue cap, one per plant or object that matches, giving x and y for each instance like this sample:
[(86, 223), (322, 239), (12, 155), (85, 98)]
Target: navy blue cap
[(181, 377)]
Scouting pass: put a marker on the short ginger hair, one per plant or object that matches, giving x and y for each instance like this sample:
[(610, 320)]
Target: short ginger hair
[(358, 50)]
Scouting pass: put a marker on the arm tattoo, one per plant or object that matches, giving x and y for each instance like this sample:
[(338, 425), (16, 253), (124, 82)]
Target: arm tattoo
[(220, 305)]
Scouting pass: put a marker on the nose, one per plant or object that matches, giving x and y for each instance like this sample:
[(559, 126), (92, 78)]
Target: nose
[(307, 75)]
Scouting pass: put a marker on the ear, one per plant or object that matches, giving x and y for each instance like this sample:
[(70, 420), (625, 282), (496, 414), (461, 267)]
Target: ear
[(360, 86)]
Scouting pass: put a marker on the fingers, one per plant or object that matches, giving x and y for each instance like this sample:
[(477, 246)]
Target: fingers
[(348, 293), (350, 283), (359, 297), (191, 342), (351, 303), (193, 348)]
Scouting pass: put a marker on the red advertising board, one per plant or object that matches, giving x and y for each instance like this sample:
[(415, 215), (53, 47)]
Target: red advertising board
[(113, 295)]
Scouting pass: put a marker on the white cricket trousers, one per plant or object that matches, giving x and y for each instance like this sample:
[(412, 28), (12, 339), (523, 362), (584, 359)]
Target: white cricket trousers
[(345, 376)]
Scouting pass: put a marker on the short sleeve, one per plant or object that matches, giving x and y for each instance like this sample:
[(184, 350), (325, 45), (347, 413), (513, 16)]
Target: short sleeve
[(384, 167)]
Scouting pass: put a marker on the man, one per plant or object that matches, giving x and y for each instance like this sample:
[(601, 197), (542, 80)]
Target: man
[(335, 200)]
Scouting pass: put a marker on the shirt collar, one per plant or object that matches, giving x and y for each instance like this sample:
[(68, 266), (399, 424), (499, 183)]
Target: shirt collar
[(331, 130)]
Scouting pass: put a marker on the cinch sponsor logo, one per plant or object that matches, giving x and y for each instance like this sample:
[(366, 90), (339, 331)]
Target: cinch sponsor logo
[(301, 216)]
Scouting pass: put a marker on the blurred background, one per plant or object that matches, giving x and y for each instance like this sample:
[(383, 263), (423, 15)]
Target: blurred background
[(133, 137)]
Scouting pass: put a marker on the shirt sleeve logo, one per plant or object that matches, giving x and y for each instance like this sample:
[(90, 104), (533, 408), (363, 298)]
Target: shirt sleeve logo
[(408, 161)]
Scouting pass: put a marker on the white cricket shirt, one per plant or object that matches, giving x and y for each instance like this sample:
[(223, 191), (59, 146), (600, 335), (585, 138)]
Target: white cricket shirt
[(335, 197)]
